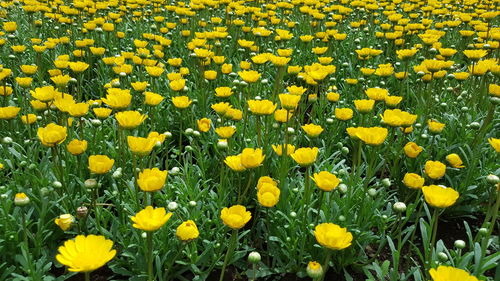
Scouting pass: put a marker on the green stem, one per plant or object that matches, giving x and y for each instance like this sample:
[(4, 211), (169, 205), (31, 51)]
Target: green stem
[(326, 264), (230, 250), (87, 276), (149, 241)]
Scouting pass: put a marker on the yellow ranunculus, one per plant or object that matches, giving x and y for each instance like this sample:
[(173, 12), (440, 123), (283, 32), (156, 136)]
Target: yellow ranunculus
[(495, 143), (372, 136), (440, 196), (130, 119), (9, 112), (413, 180), (52, 134), (152, 99), (234, 163), (305, 156), (100, 164), (85, 253), (325, 180), (77, 147), (204, 124), (279, 149), (435, 127), (187, 231), (332, 236), (117, 98), (289, 102), (455, 160), (252, 158), (268, 195), (261, 107), (249, 76), (435, 169), (343, 114), (448, 273), (44, 94), (412, 149), (312, 130), (235, 217), (225, 132), (152, 179), (140, 146), (181, 102), (65, 221), (149, 219)]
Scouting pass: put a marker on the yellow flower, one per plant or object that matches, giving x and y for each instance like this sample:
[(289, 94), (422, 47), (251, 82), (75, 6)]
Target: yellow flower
[(435, 127), (495, 143), (225, 132), (435, 169), (65, 221), (412, 149), (325, 180), (152, 179), (343, 114), (296, 90), (61, 80), (44, 94), (10, 26), (333, 97), (9, 112), (149, 219), (454, 160), (52, 134), (278, 149), (268, 195), (448, 273), (152, 99), (398, 118), (77, 147), (29, 118), (181, 102), (78, 109), (376, 94), (78, 66), (475, 54), (177, 84), (210, 74), (130, 119), (235, 217), (187, 231), (305, 156), (372, 136), (393, 101), (29, 69), (86, 253), (289, 102), (413, 180), (102, 112), (440, 196), (24, 82), (364, 106), (100, 164), (204, 124), (223, 92), (261, 107), (252, 158), (332, 236), (117, 98), (140, 146), (139, 86), (249, 76), (282, 115), (234, 163), (312, 130)]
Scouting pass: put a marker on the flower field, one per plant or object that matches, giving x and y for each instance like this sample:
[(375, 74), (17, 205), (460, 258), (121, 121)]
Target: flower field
[(250, 140)]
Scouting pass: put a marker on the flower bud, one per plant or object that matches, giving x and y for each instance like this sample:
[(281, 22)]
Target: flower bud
[(90, 183), (372, 192), (172, 206), (314, 270), (290, 130), (254, 257), (342, 218), (192, 203), (345, 150), (459, 244), (475, 125), (117, 174), (222, 144), (81, 212), (21, 199), (399, 207), (492, 179), (483, 231), (293, 214), (386, 182), (57, 184), (342, 188), (174, 171), (7, 140), (442, 256)]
